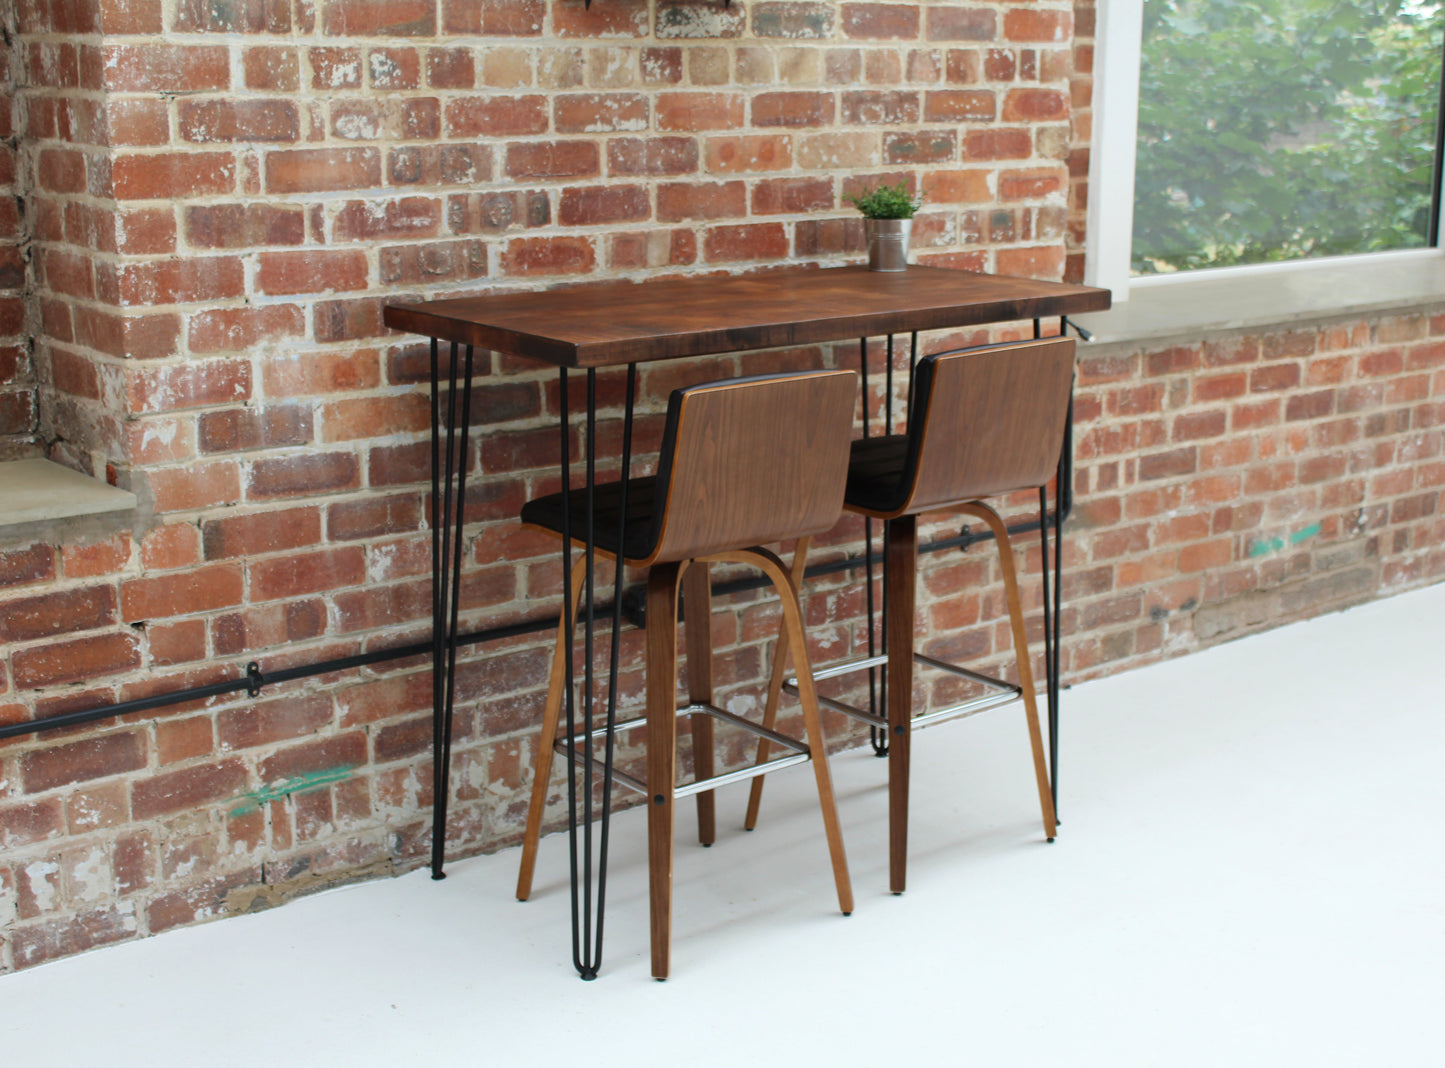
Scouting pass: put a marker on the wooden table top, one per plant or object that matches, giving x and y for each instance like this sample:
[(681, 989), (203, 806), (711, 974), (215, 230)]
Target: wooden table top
[(627, 322)]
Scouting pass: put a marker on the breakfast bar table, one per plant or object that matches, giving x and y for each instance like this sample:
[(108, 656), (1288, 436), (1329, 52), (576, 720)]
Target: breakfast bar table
[(586, 327)]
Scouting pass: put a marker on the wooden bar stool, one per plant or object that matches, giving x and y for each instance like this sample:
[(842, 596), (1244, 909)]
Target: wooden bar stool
[(982, 423), (743, 463)]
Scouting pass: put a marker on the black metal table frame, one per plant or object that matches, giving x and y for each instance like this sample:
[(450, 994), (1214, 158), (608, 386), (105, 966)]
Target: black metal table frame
[(449, 454)]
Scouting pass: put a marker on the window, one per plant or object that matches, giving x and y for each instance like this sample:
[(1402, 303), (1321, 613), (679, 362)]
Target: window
[(1251, 132)]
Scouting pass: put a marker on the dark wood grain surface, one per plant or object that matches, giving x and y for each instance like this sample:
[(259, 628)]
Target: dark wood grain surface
[(624, 322)]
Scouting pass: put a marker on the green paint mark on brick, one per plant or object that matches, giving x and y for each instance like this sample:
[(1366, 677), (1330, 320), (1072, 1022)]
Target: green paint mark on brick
[(254, 799), (1305, 534), (1274, 545)]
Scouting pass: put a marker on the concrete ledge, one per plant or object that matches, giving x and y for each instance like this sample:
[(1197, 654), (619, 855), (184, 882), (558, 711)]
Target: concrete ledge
[(36, 491), (1273, 295)]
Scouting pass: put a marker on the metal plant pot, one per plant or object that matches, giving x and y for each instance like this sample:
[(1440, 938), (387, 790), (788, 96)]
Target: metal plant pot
[(888, 243)]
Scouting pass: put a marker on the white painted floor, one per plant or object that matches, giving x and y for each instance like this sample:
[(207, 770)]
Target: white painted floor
[(1249, 872)]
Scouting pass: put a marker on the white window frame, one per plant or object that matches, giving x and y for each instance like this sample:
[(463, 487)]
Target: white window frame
[(1109, 242)]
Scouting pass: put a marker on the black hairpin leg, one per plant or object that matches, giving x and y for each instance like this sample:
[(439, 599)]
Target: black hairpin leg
[(1053, 602), (589, 865), (448, 518)]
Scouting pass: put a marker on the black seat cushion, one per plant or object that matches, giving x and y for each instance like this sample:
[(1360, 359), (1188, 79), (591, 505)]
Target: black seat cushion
[(641, 534), (877, 468)]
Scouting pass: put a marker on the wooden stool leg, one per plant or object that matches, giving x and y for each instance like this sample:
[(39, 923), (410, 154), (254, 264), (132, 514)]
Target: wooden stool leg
[(1021, 654), (551, 714), (817, 744), (775, 687), (697, 626), (662, 584), (901, 563)]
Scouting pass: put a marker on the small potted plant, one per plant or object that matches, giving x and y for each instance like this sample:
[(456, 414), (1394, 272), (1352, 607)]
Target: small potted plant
[(888, 222)]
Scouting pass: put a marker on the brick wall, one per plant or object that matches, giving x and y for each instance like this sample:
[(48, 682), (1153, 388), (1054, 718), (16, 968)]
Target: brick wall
[(17, 385), (223, 195)]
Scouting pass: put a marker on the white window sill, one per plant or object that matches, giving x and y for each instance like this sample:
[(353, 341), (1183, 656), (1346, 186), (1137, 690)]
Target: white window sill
[(38, 491), (1274, 295)]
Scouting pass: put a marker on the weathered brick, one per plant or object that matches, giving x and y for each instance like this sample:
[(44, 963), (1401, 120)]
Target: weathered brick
[(183, 593), (197, 786), (73, 762), (308, 474), (59, 612), (78, 660)]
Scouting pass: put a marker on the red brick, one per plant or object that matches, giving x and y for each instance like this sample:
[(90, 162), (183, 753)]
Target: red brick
[(193, 280), (1031, 184), (1206, 555), (394, 68), (696, 111), (959, 105), (228, 121), (880, 21), (881, 107), (497, 116), (137, 122), (554, 159), (937, 146), (81, 660), (961, 24), (380, 18), (184, 593), (956, 187), (623, 18), (322, 170), (450, 68), (432, 263), (57, 612), (30, 822), (327, 372), (1030, 24), (331, 755), (166, 793), (195, 486), (162, 68), (177, 643), (794, 108), (369, 417), (173, 175), (241, 16), (268, 722), (189, 385), (93, 758), (287, 273), (73, 933), (757, 241), (256, 533), (335, 68), (304, 475), (1274, 376), (792, 196), (549, 256), (88, 560), (303, 573), (240, 329), (1035, 105), (628, 156), (601, 205), (244, 225), (251, 429), (373, 516)]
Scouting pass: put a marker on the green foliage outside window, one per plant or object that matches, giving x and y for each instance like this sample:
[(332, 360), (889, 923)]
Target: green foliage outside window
[(1281, 129)]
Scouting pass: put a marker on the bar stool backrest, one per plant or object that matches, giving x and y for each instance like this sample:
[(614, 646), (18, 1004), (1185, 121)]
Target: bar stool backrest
[(750, 461), (987, 421)]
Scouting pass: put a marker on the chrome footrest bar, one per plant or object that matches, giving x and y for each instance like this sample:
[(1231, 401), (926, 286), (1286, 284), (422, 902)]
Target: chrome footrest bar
[(800, 753), (844, 667), (963, 672), (751, 771), (967, 708)]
